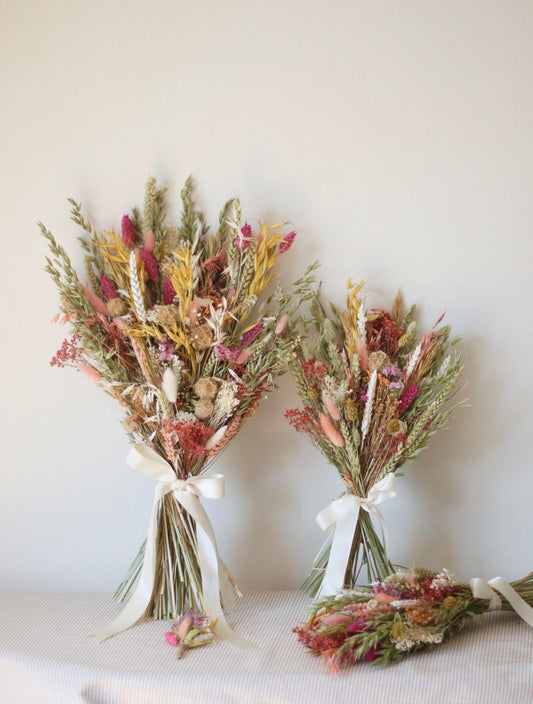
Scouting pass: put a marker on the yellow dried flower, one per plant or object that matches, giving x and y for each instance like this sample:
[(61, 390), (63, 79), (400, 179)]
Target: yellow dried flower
[(396, 426), (377, 360), (450, 602), (351, 409), (203, 409), (206, 387), (116, 307), (168, 315), (201, 337), (398, 630), (422, 573)]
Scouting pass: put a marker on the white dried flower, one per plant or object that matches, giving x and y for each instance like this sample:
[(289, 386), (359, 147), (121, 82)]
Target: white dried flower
[(169, 385)]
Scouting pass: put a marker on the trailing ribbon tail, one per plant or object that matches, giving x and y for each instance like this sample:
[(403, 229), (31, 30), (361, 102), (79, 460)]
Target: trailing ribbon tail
[(341, 515), (214, 579)]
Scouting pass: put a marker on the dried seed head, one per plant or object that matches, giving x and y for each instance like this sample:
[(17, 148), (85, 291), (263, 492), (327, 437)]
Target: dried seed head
[(168, 315), (132, 424), (377, 360), (203, 409), (201, 337), (206, 387), (116, 307)]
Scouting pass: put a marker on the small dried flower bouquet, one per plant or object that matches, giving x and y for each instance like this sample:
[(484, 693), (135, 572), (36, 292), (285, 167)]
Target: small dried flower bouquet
[(373, 394), (168, 323), (405, 613)]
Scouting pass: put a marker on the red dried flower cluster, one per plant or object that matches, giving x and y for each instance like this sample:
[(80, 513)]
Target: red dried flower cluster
[(69, 354), (302, 420), (314, 372), (192, 435), (383, 334)]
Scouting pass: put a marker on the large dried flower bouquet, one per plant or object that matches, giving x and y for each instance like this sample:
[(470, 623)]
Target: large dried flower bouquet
[(170, 324)]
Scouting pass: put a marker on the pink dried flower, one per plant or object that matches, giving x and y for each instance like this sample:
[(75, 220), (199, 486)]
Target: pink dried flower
[(149, 262), (96, 302), (335, 619), (363, 353), (332, 408), (149, 241), (171, 638), (186, 623), (128, 232), (243, 237), (287, 241), (168, 291), (109, 290), (90, 372), (282, 322), (244, 355), (166, 349), (230, 353), (330, 431)]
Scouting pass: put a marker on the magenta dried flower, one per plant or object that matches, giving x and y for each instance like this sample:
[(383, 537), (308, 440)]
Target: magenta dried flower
[(128, 232), (251, 335), (224, 352), (169, 292), (287, 241), (108, 289), (244, 237), (407, 397), (149, 262)]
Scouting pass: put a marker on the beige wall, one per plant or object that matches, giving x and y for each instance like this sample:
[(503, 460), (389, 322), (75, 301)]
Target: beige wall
[(396, 136)]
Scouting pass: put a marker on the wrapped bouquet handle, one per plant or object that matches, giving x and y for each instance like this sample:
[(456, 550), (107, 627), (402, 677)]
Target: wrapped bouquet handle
[(482, 589), (341, 515), (214, 579)]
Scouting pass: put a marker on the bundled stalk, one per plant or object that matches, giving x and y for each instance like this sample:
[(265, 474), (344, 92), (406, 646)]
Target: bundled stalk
[(373, 393)]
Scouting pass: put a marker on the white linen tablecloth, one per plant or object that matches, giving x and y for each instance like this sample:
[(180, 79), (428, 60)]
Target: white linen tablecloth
[(48, 655)]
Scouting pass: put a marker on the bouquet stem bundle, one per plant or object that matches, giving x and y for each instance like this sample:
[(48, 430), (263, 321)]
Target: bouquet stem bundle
[(405, 613), (173, 322), (373, 393)]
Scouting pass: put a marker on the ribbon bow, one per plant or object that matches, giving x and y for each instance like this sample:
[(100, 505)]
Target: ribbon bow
[(214, 579), (482, 589), (342, 515)]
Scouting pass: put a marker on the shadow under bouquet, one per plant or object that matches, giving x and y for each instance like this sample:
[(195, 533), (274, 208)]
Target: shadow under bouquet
[(373, 393), (170, 324)]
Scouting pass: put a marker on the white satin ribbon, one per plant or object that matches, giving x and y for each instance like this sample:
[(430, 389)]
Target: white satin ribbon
[(214, 579), (482, 589), (342, 515)]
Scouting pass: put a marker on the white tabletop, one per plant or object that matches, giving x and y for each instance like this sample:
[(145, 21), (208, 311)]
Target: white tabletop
[(47, 655)]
